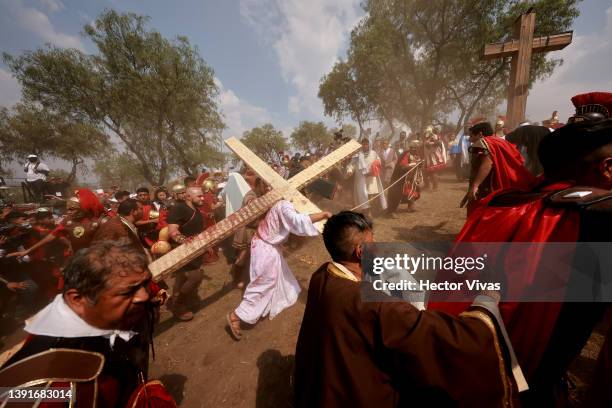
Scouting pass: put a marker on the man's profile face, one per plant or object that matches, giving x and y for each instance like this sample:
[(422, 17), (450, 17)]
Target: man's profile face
[(121, 305), (47, 221), (20, 221), (195, 195), (143, 197), (138, 212), (474, 137)]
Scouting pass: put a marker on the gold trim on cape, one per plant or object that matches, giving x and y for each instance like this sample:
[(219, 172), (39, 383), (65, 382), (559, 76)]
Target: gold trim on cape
[(486, 319)]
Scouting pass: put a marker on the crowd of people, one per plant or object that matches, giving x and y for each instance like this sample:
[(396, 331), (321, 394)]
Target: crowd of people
[(86, 267)]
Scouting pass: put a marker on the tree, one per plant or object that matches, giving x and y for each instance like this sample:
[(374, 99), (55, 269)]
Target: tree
[(311, 137), (418, 61), (157, 96), (29, 129), (348, 130), (121, 170), (342, 96), (265, 141)]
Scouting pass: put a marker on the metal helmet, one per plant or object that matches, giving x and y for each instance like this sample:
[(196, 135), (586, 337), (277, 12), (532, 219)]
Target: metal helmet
[(73, 204), (208, 185), (178, 188)]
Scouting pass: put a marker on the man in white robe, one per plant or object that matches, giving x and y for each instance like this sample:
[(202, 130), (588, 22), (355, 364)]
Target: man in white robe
[(273, 287), (366, 167), (389, 158)]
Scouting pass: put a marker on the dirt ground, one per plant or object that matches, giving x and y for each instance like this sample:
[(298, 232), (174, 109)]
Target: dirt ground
[(203, 367)]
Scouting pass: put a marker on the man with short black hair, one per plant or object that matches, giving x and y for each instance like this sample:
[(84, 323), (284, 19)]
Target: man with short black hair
[(123, 226), (496, 164), (106, 308), (353, 352), (121, 196), (189, 181)]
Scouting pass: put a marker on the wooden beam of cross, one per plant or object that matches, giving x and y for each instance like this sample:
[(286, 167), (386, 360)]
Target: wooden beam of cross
[(289, 187), (281, 189), (520, 49)]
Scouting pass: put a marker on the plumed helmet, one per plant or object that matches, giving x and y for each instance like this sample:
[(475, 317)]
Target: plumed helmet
[(592, 106), (89, 202)]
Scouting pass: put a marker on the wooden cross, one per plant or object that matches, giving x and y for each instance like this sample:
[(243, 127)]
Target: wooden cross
[(281, 190), (520, 49)]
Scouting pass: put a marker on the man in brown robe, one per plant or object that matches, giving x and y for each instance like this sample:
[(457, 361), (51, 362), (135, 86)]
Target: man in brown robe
[(123, 226), (356, 353)]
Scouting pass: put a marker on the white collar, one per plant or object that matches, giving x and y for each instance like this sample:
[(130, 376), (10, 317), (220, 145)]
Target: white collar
[(348, 274), (57, 319), (128, 224)]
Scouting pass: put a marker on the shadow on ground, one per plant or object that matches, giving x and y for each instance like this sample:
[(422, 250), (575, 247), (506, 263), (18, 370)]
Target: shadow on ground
[(424, 233), (274, 383)]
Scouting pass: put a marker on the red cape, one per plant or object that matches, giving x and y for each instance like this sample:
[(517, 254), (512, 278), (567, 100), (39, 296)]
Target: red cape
[(529, 325), (509, 165)]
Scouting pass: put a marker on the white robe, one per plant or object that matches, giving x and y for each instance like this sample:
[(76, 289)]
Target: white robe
[(235, 189), (273, 286), (364, 184)]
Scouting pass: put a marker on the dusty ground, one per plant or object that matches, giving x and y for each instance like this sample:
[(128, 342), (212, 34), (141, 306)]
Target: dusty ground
[(204, 367)]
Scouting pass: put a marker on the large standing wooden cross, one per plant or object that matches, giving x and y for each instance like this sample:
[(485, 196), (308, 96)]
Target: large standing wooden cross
[(281, 189), (520, 49)]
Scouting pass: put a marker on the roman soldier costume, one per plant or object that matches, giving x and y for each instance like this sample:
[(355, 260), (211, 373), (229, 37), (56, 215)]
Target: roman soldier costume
[(80, 228), (209, 200)]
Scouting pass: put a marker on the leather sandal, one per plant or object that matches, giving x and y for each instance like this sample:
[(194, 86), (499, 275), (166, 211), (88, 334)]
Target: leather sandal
[(234, 326)]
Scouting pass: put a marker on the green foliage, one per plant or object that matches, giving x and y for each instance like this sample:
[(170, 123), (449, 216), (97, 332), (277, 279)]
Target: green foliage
[(419, 60), (158, 96), (119, 170), (265, 141), (311, 137), (343, 95), (29, 129), (348, 130)]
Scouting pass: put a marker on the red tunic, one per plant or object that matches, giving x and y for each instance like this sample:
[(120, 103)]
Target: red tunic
[(207, 211)]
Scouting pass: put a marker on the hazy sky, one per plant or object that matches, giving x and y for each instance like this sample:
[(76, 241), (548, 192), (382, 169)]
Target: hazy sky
[(269, 55)]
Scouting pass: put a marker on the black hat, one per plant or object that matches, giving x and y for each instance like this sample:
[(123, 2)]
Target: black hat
[(561, 149)]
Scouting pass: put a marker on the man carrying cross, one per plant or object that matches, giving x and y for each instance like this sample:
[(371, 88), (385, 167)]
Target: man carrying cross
[(272, 287)]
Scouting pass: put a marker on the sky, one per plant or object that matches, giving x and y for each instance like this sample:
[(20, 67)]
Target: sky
[(269, 55)]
